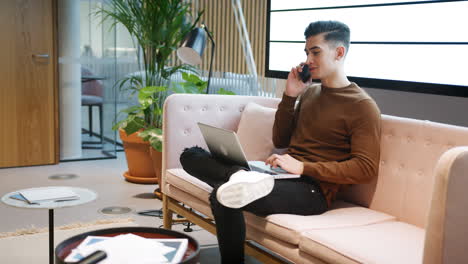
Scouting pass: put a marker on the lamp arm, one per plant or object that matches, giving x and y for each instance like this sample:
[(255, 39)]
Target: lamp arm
[(208, 32), (213, 45)]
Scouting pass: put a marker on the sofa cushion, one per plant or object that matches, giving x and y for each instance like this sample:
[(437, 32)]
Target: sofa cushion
[(188, 200), (288, 227), (187, 183), (255, 132), (387, 242), (286, 250)]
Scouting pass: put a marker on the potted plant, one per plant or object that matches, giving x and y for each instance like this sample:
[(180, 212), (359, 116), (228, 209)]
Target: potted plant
[(157, 27), (193, 84)]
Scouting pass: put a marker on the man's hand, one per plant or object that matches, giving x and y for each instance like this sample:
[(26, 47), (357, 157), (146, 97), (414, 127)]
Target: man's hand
[(286, 162), (294, 85)]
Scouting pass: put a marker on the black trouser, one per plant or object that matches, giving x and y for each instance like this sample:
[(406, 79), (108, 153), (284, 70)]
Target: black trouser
[(301, 196)]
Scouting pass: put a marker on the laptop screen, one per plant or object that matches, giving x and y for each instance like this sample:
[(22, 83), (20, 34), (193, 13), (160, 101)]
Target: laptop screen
[(224, 144)]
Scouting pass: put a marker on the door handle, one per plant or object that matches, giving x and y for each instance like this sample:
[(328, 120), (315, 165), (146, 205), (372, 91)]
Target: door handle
[(41, 56)]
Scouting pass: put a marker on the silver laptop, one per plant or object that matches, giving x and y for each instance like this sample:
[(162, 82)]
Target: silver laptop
[(225, 144)]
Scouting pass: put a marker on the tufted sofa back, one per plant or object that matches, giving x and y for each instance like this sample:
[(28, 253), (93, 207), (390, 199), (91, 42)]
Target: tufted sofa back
[(410, 149), (183, 111)]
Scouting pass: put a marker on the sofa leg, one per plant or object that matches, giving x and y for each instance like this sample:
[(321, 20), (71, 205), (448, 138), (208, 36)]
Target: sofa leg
[(167, 214)]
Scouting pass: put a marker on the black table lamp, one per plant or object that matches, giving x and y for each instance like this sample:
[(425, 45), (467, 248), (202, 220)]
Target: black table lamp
[(191, 50)]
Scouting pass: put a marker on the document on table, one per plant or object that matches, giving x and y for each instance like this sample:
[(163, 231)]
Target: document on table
[(130, 248), (49, 194)]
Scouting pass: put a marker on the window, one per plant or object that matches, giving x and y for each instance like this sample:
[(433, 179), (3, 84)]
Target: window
[(419, 46)]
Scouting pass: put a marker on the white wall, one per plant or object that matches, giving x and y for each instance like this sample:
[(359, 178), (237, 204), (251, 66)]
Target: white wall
[(445, 109)]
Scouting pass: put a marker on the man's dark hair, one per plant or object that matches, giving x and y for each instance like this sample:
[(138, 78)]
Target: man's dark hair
[(335, 31)]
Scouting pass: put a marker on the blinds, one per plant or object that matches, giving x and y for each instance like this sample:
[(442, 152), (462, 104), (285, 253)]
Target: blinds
[(220, 20)]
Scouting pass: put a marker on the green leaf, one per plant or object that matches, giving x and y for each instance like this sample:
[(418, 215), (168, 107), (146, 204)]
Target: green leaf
[(153, 132), (185, 76), (191, 78), (133, 125), (149, 91), (145, 134), (118, 125), (156, 144), (157, 27), (157, 111), (202, 87), (178, 88), (153, 136), (145, 102), (225, 92), (132, 109), (192, 84)]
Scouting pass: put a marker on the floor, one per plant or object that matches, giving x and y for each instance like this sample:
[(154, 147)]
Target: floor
[(102, 176)]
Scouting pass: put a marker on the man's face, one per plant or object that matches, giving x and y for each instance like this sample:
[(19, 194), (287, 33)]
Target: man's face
[(321, 57)]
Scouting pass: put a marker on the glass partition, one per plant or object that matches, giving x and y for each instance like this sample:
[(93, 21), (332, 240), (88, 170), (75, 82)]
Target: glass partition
[(95, 57)]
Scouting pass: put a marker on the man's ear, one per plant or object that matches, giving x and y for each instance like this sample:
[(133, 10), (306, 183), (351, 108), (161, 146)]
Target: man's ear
[(340, 52)]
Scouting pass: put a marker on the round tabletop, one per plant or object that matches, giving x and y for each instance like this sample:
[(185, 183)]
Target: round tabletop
[(85, 195), (190, 256)]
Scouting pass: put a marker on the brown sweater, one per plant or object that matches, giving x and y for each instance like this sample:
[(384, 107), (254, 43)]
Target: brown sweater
[(334, 131)]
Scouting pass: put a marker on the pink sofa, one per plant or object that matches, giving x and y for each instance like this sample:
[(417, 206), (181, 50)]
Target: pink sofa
[(412, 213)]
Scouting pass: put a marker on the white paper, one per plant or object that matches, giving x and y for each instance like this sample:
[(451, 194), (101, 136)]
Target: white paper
[(128, 249), (49, 194)]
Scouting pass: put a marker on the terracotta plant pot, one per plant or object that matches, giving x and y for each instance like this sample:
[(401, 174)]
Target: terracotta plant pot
[(140, 164)]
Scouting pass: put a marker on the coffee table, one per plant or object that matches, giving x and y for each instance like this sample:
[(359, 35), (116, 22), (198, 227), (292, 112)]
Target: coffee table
[(191, 256), (85, 195)]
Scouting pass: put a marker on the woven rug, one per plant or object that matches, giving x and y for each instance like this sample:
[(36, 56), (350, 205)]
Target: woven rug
[(28, 246)]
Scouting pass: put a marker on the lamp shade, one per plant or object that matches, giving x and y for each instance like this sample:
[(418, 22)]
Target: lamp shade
[(191, 50)]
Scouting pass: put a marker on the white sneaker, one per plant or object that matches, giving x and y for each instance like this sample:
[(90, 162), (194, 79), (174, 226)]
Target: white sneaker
[(244, 187)]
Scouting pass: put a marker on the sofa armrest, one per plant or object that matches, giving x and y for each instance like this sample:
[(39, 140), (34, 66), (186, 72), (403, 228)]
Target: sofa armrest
[(447, 229), (183, 111)]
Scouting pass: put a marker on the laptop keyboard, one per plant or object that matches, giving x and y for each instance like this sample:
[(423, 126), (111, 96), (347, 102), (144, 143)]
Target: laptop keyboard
[(278, 173), (278, 170), (255, 168), (274, 171)]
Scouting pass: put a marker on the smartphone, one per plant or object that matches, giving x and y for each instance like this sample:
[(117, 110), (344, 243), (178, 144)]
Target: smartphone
[(305, 74)]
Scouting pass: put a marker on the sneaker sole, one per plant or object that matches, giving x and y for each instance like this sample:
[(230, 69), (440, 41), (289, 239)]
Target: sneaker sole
[(240, 194)]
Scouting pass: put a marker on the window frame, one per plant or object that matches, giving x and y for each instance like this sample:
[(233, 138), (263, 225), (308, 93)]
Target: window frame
[(386, 84)]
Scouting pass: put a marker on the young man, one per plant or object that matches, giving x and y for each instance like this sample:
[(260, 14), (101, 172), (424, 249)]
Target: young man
[(332, 139)]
